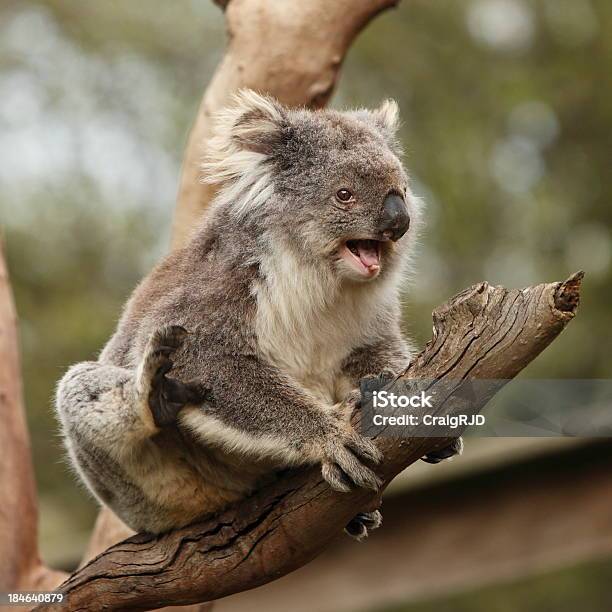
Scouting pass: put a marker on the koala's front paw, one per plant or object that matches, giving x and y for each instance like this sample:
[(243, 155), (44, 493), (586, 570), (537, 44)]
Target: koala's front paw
[(166, 396), (455, 448), (360, 525), (345, 453)]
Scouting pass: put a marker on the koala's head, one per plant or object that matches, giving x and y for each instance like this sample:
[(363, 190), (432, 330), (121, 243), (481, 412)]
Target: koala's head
[(328, 184)]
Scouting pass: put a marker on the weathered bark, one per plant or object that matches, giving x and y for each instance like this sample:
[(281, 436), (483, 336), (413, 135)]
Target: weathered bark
[(475, 531), (291, 50), (20, 565), (484, 332)]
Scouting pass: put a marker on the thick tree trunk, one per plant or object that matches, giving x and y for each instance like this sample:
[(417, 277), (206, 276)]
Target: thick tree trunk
[(484, 332)]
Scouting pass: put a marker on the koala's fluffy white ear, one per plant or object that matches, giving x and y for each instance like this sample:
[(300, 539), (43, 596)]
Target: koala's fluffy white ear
[(386, 117), (244, 132), (257, 121), (252, 122)]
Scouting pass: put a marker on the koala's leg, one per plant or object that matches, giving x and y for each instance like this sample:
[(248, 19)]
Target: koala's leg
[(112, 408), (360, 525), (454, 448)]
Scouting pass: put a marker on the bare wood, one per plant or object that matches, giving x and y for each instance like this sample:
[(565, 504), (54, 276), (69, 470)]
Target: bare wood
[(20, 565), (291, 50), (528, 521), (108, 530), (484, 332)]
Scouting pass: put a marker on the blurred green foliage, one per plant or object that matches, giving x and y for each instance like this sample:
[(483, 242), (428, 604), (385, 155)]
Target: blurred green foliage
[(507, 108), (509, 141), (586, 587)]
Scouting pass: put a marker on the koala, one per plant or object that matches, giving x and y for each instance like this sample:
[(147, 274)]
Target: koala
[(240, 354)]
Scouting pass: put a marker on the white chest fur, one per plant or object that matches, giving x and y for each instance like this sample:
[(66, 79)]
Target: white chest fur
[(307, 324)]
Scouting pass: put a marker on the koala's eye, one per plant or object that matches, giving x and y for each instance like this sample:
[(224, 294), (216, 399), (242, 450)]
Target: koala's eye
[(344, 195)]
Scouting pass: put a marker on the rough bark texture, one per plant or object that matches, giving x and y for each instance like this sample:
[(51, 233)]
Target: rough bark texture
[(20, 565), (530, 517), (484, 332)]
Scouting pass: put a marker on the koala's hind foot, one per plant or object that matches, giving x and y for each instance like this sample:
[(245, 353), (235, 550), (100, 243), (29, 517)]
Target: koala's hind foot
[(455, 448), (166, 396), (360, 525)]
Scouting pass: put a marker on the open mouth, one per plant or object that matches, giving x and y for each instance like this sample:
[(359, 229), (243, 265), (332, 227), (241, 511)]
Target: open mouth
[(363, 256)]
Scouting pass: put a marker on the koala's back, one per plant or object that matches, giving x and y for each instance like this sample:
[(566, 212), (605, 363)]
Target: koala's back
[(203, 287), (206, 291)]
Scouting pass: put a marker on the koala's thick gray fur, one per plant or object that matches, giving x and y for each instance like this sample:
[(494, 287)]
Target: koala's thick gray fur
[(267, 319)]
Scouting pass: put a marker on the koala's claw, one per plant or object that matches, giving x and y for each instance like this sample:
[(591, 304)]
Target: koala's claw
[(166, 396), (360, 525), (343, 466), (455, 448), (335, 477), (363, 448)]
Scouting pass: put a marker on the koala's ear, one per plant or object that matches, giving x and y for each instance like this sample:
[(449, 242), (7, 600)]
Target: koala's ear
[(244, 133), (253, 122), (386, 118)]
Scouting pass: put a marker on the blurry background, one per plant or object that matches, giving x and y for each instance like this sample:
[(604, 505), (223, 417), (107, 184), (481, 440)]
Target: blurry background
[(507, 111)]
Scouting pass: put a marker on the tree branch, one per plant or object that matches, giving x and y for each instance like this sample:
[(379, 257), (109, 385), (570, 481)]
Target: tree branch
[(20, 565), (484, 332)]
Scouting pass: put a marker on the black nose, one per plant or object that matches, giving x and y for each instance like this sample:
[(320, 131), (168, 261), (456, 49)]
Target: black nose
[(394, 220)]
